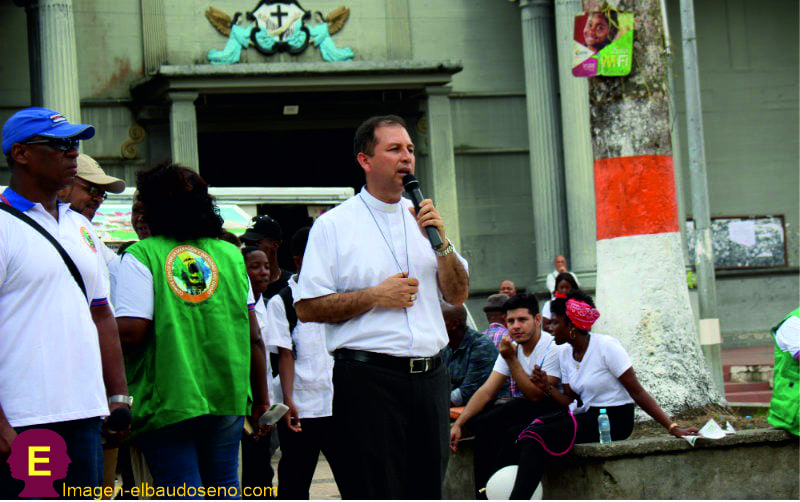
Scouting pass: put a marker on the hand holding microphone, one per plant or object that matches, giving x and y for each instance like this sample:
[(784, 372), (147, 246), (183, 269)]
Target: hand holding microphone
[(427, 215)]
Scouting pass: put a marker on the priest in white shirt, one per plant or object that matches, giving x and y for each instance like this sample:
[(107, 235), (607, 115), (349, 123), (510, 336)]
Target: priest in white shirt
[(372, 277)]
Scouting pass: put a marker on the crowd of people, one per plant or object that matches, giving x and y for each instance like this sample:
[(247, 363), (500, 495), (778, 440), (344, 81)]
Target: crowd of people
[(175, 347)]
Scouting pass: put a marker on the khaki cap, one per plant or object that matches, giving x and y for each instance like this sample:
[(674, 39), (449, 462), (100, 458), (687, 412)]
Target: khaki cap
[(89, 170)]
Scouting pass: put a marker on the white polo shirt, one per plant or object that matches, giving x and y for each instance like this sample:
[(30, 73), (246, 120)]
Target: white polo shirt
[(50, 366), (359, 244), (313, 369)]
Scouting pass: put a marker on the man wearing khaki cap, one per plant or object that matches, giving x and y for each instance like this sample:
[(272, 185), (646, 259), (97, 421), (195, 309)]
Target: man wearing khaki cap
[(88, 191), (496, 317)]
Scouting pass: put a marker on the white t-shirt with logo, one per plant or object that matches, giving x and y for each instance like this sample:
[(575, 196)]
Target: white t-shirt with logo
[(596, 378), (50, 365), (545, 355)]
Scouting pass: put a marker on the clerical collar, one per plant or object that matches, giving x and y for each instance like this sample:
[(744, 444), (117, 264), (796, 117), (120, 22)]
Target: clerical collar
[(378, 204)]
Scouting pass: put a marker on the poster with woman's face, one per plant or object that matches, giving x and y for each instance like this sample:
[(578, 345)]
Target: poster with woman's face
[(603, 44)]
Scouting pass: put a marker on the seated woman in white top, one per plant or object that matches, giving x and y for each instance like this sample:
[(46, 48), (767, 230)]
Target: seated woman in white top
[(597, 373), (565, 283)]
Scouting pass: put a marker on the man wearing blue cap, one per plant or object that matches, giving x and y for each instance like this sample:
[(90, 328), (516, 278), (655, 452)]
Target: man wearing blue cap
[(60, 359)]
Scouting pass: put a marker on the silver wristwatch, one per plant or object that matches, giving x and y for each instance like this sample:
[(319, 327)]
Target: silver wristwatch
[(445, 251), (120, 398)]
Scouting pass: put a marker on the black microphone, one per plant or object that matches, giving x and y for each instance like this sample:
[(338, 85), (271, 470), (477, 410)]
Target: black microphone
[(411, 185)]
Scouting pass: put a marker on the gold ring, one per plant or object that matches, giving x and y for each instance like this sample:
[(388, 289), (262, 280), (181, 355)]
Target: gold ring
[(413, 297)]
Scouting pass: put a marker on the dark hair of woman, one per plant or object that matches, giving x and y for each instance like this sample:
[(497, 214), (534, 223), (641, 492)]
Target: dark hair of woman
[(249, 249), (559, 305), (566, 276), (177, 203)]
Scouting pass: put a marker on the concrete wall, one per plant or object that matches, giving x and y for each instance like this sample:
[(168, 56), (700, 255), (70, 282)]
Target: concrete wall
[(749, 78), (109, 42), (751, 464), (489, 131)]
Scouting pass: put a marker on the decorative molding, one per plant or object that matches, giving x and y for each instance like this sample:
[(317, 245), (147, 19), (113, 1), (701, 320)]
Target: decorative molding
[(128, 149)]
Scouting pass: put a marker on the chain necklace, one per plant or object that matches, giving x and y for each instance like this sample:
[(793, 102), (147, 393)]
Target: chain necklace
[(391, 249)]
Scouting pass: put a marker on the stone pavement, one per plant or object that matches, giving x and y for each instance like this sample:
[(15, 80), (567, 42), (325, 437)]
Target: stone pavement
[(323, 486)]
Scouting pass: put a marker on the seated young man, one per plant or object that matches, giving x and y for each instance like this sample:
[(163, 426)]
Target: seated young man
[(531, 348)]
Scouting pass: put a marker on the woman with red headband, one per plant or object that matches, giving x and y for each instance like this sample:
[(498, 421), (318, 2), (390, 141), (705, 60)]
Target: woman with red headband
[(597, 373)]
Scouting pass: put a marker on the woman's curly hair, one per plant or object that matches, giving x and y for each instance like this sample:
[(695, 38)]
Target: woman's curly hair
[(177, 204)]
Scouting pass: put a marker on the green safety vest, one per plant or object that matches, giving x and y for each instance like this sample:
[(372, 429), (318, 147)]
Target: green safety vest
[(196, 358), (784, 409)]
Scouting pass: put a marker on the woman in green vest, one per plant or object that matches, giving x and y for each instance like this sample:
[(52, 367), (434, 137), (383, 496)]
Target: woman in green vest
[(784, 409), (193, 350)]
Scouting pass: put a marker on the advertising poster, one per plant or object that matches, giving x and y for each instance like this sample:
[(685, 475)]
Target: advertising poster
[(603, 44)]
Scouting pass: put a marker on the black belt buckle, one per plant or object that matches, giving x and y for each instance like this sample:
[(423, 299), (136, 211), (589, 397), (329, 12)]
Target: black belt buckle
[(420, 364)]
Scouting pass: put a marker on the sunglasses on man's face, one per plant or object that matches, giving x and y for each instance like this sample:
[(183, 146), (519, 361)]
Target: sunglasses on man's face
[(60, 144), (93, 191)]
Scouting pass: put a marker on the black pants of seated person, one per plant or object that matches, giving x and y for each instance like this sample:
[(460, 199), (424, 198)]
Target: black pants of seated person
[(491, 430), (557, 435)]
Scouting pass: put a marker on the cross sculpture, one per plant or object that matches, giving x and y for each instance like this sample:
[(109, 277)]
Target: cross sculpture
[(279, 14)]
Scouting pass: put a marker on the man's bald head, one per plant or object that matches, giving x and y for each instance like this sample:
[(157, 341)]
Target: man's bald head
[(560, 263), (507, 287), (454, 316)]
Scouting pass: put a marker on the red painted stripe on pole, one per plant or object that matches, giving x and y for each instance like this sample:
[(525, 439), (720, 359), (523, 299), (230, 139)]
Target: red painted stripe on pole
[(635, 196)]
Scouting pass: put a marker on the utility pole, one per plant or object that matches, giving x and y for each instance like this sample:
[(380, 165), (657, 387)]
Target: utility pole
[(710, 339), (641, 282)]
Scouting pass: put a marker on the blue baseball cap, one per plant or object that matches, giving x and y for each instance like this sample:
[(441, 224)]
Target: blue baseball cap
[(33, 121)]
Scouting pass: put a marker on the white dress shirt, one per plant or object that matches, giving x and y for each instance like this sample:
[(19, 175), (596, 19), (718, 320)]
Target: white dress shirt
[(313, 369), (359, 244)]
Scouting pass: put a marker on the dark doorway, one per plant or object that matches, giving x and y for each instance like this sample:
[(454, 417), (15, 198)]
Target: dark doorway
[(280, 158), (248, 140)]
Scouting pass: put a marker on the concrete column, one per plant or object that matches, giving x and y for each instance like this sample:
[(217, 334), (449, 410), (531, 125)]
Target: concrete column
[(544, 136), (154, 35), (641, 280), (578, 158), (398, 30), (443, 160), (183, 129), (59, 60)]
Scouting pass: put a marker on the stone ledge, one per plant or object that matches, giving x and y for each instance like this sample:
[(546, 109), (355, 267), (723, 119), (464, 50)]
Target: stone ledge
[(667, 443), (304, 69)]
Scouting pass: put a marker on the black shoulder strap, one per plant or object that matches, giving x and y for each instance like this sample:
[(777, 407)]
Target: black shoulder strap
[(73, 269), (288, 306), (291, 315)]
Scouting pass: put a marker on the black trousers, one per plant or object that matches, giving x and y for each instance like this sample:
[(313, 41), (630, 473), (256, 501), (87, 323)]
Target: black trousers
[(299, 455), (392, 431), (557, 434), (491, 429), (257, 472)]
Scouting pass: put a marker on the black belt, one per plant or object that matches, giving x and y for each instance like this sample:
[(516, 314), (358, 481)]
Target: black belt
[(402, 364)]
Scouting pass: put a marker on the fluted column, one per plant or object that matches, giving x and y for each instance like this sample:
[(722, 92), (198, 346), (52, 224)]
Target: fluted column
[(443, 160), (154, 35), (544, 135), (59, 58), (578, 158), (183, 129)]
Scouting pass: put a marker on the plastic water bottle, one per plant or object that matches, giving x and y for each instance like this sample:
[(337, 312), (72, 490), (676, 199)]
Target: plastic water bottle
[(604, 425)]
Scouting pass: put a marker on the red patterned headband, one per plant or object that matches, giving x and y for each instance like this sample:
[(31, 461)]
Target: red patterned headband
[(581, 314)]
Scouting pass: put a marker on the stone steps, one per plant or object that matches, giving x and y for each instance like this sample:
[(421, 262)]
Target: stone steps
[(747, 373)]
